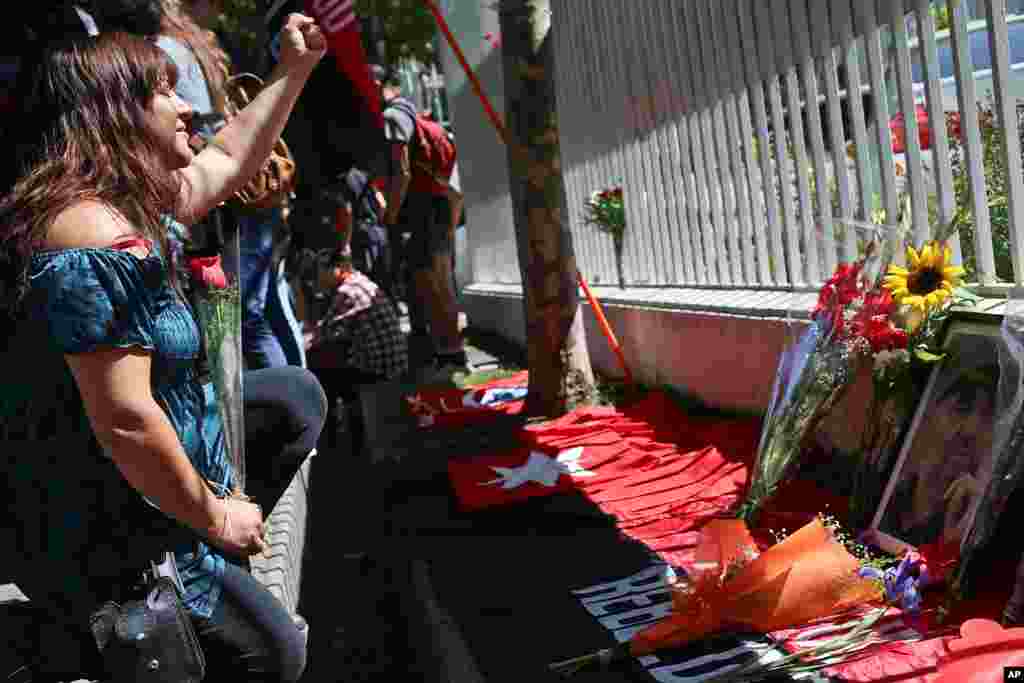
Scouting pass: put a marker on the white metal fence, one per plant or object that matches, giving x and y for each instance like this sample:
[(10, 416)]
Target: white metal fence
[(704, 111)]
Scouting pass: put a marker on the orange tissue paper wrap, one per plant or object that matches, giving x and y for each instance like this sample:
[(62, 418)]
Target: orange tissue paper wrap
[(807, 576)]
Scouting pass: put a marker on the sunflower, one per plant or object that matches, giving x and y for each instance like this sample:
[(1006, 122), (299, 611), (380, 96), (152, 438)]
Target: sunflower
[(930, 279)]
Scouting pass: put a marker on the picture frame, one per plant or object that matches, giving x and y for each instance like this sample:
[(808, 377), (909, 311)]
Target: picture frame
[(944, 461)]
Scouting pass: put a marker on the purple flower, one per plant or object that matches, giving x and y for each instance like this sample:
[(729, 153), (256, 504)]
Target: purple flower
[(902, 583)]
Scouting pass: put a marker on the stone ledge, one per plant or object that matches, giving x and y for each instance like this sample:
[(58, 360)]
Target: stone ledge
[(757, 303), (280, 570)]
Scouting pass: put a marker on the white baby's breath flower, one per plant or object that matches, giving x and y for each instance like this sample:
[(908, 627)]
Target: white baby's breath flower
[(886, 359)]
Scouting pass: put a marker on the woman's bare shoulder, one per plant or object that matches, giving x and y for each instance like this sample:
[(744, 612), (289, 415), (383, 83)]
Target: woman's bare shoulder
[(87, 223)]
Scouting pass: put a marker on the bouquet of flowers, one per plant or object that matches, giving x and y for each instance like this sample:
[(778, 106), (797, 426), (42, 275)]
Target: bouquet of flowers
[(732, 586), (850, 322), (218, 305), (606, 211), (918, 299), (923, 291)]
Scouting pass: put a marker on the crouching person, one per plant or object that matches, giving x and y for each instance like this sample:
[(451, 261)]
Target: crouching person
[(358, 342)]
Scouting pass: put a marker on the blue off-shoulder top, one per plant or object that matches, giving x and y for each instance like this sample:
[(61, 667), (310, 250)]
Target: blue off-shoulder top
[(80, 522)]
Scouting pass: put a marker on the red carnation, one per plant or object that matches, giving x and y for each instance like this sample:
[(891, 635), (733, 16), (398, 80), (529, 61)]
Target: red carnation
[(872, 322), (881, 334), (209, 271), (838, 292), (879, 303)]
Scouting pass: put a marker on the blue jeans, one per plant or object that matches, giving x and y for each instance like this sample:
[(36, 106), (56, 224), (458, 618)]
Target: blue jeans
[(250, 634), (270, 334)]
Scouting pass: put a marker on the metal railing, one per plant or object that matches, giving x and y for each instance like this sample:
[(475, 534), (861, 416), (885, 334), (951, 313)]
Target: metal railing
[(742, 130)]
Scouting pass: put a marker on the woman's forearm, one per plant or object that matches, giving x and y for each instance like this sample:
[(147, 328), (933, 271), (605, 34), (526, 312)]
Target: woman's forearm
[(147, 451), (251, 135)]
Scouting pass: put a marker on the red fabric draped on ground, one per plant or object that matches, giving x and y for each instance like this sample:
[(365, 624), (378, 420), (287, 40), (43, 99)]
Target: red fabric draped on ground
[(659, 472), (663, 474), (452, 407)]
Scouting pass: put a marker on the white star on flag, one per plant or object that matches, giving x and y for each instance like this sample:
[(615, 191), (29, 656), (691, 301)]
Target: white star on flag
[(541, 468)]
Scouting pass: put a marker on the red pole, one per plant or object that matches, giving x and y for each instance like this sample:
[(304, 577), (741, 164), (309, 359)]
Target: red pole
[(499, 125), (606, 328)]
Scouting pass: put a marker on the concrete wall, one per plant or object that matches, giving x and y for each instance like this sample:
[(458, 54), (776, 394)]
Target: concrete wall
[(728, 360)]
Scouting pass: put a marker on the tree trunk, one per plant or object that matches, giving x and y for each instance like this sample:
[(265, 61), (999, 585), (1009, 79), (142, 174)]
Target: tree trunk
[(559, 364)]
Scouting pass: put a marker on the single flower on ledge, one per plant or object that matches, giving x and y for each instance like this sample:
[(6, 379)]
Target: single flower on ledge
[(929, 279)]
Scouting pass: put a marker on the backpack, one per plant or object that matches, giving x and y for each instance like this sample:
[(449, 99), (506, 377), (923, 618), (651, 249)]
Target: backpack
[(432, 156)]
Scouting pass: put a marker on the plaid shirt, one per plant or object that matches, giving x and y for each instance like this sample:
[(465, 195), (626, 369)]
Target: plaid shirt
[(363, 320)]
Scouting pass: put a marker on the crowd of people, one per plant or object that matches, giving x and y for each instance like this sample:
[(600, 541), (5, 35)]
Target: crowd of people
[(125, 162)]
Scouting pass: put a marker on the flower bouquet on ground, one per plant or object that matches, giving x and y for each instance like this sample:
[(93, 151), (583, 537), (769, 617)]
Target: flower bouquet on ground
[(918, 297), (806, 576), (606, 211), (849, 323)]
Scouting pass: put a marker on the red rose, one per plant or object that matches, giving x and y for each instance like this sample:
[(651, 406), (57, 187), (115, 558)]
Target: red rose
[(208, 271)]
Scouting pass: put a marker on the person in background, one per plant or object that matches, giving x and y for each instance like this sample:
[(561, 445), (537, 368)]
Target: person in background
[(359, 213), (359, 340), (114, 452), (429, 220)]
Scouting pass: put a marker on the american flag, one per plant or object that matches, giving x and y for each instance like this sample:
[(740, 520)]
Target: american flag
[(334, 16)]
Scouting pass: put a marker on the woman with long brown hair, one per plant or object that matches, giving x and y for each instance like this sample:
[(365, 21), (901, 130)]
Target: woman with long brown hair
[(113, 451)]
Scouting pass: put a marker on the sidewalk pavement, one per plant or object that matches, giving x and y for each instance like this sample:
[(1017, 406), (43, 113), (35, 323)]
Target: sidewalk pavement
[(408, 586), (368, 595), (380, 599)]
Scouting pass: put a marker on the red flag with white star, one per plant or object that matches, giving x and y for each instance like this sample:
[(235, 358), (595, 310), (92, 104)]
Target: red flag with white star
[(454, 408)]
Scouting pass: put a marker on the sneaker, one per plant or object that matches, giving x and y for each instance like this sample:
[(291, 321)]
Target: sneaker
[(303, 626)]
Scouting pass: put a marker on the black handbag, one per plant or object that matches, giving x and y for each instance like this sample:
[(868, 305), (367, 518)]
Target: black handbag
[(150, 639)]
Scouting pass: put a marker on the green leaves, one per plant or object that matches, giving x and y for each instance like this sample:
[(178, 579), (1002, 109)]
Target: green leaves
[(964, 297), (407, 30), (925, 355), (241, 26)]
